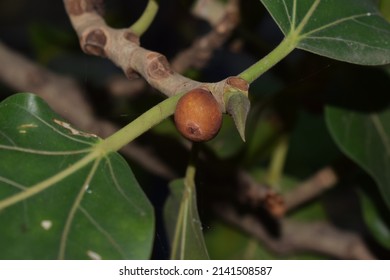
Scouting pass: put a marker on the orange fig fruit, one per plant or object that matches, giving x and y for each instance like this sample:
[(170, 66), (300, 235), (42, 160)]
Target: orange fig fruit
[(198, 116)]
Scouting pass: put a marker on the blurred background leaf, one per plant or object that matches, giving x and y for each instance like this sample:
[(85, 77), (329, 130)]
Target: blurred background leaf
[(183, 224), (375, 218), (287, 100), (366, 139), (227, 243)]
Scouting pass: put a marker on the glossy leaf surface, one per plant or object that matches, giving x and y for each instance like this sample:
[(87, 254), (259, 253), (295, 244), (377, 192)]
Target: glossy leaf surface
[(96, 212), (347, 30)]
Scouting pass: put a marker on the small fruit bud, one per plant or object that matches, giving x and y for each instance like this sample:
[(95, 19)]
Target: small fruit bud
[(198, 116)]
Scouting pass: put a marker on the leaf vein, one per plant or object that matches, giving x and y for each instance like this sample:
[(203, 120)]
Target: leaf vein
[(52, 127), (336, 22), (43, 152), (12, 183), (381, 131), (371, 26), (106, 234), (7, 138), (74, 208), (345, 41), (288, 13), (120, 189)]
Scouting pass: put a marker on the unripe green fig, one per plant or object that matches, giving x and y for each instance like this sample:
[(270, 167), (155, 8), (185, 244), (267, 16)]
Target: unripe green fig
[(198, 116)]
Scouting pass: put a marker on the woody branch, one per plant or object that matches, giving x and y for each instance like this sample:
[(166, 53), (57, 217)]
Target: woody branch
[(122, 46)]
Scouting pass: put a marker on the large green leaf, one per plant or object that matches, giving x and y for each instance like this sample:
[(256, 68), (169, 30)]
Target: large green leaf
[(183, 224), (366, 139), (347, 30), (98, 211)]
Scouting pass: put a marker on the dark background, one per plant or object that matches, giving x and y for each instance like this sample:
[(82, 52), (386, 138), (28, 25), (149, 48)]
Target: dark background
[(295, 91)]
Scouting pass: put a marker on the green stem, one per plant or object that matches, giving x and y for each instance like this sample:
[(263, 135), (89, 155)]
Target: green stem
[(281, 51), (140, 125), (181, 223), (146, 19), (75, 206), (289, 43), (191, 168), (277, 162)]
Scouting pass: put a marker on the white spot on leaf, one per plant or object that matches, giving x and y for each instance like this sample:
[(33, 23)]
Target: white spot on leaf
[(93, 255), (87, 190), (73, 130), (46, 224), (27, 125), (24, 127)]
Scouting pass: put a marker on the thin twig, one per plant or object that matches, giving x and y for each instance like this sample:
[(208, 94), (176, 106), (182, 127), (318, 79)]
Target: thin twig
[(320, 237), (203, 48), (197, 55), (122, 47), (256, 194), (313, 187)]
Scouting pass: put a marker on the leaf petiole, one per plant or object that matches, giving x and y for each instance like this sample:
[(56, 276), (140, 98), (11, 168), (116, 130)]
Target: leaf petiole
[(112, 144), (146, 19), (263, 65), (288, 44)]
